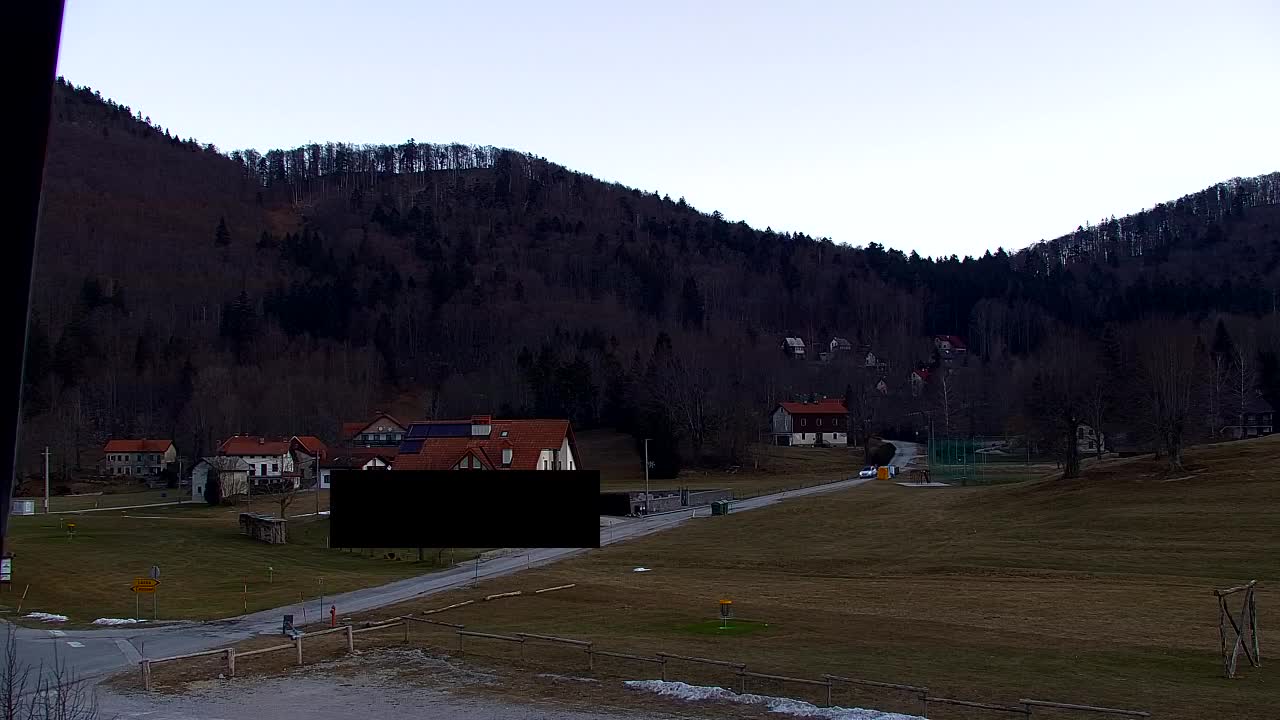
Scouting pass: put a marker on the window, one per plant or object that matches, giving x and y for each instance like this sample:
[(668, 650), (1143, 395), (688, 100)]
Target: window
[(506, 456), (264, 469), (819, 422), (804, 422), (275, 467), (502, 434)]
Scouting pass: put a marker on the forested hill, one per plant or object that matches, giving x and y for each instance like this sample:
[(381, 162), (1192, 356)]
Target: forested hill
[(187, 292)]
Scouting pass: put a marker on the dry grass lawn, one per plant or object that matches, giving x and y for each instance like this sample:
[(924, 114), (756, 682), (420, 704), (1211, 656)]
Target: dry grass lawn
[(204, 562), (1092, 591), (780, 468)]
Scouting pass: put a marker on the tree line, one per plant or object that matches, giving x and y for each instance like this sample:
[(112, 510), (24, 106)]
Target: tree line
[(312, 285)]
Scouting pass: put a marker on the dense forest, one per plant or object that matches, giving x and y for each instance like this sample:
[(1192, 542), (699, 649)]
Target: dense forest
[(182, 291)]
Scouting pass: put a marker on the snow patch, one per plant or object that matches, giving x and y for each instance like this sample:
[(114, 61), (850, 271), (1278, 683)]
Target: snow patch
[(117, 621), (47, 617), (784, 706), (641, 569)]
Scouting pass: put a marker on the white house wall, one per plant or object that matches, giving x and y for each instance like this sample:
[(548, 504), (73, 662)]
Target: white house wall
[(781, 422)]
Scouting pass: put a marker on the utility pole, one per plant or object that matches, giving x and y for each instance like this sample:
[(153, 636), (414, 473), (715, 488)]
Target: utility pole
[(646, 477), (46, 479)]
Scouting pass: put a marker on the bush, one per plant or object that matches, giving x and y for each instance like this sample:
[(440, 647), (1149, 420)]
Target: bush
[(883, 454)]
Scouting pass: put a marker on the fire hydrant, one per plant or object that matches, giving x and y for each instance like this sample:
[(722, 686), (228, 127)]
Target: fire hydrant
[(333, 616)]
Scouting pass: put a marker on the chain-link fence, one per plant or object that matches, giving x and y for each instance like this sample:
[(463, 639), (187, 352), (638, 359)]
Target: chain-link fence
[(984, 461)]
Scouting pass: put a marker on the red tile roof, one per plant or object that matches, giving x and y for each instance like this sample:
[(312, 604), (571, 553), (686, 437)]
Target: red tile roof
[(352, 429), (312, 446), (137, 446), (367, 454), (830, 406), (526, 439), (253, 445)]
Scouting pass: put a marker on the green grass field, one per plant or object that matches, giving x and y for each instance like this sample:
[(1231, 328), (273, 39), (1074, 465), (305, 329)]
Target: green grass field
[(58, 503), (1094, 591), (205, 563)]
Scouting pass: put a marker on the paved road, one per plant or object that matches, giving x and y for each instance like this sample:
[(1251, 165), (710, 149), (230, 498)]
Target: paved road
[(100, 651)]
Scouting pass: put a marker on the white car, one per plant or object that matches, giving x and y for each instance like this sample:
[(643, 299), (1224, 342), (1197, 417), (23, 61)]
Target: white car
[(867, 472)]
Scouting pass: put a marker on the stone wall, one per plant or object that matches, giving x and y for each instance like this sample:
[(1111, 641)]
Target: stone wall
[(695, 498)]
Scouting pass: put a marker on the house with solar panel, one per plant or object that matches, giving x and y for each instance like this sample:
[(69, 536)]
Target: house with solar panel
[(487, 443)]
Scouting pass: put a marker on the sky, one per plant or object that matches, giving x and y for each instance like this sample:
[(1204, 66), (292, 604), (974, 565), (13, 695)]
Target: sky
[(941, 127)]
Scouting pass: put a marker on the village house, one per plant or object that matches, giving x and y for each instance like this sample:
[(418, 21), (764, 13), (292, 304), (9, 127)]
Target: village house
[(308, 452), (951, 350), (232, 474), (368, 459), (271, 462), (1256, 420), (1088, 440), (483, 443), (793, 347), (823, 422), (839, 345), (138, 457), (917, 380), (382, 431)]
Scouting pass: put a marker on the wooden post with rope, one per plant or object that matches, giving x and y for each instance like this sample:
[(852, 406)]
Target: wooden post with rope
[(1243, 627)]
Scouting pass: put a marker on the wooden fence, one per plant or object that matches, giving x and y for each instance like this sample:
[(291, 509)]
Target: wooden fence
[(1024, 707)]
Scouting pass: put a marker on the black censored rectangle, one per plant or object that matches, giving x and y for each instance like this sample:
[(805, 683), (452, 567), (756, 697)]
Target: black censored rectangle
[(459, 508)]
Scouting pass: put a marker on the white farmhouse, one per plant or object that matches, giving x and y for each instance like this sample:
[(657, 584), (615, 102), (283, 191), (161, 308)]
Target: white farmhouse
[(271, 462)]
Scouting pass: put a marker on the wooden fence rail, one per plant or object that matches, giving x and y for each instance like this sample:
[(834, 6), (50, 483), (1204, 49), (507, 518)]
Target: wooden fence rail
[(983, 706), (147, 662), (490, 636), (920, 691), (380, 626), (442, 623), (1083, 708), (660, 659), (584, 644), (705, 661), (263, 651), (743, 674)]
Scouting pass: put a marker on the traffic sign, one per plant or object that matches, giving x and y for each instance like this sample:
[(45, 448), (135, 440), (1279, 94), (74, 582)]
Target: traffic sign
[(144, 585)]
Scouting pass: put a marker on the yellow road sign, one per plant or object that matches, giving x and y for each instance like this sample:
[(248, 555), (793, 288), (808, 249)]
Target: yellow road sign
[(144, 585)]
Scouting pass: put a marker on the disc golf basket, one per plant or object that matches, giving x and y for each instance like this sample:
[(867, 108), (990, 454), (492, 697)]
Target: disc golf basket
[(1244, 627), (726, 613)]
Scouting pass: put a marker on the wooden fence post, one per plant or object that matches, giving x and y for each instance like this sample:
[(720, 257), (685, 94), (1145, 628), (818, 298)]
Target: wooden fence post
[(231, 662), (146, 674), (406, 630), (297, 642), (1253, 626), (664, 669), (828, 692), (591, 663), (351, 640)]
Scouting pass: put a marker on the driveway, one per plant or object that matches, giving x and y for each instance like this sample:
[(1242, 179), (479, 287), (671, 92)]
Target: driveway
[(93, 653)]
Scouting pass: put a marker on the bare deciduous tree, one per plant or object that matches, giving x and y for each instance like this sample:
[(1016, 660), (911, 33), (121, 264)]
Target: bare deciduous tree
[(42, 692), (1169, 358), (1059, 388)]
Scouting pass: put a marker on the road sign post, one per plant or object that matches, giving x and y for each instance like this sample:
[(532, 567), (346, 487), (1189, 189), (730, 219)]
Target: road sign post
[(144, 585)]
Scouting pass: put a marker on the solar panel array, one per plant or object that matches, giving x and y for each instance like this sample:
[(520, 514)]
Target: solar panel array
[(420, 432)]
